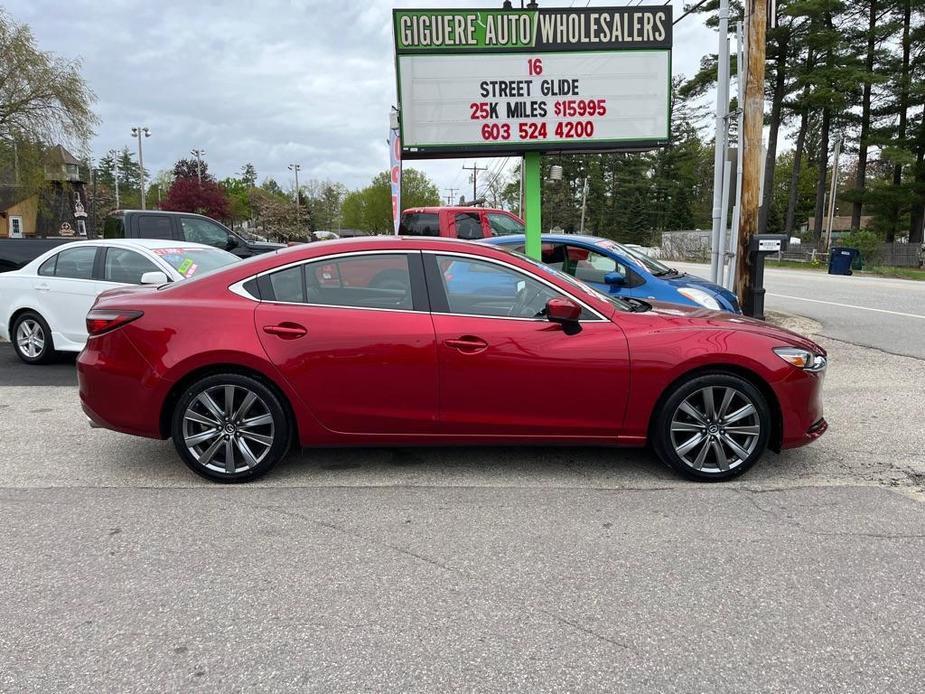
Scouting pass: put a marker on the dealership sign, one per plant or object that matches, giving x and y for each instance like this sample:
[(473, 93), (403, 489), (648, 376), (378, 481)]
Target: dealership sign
[(499, 81)]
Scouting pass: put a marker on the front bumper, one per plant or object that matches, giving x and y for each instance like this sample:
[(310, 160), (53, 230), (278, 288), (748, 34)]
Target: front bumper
[(800, 399)]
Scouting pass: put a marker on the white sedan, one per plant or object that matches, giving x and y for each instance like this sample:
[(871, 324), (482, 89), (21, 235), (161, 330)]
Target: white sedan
[(43, 306)]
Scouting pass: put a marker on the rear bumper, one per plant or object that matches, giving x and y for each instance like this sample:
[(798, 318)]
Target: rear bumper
[(118, 390)]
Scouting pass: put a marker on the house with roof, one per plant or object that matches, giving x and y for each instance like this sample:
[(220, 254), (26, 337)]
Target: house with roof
[(57, 208)]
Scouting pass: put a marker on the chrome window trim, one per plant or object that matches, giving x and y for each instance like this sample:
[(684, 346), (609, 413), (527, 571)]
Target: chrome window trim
[(522, 272), (238, 287)]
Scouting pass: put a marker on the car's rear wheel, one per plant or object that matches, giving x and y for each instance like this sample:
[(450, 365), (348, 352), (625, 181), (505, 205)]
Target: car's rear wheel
[(230, 428), (712, 427), (32, 339)]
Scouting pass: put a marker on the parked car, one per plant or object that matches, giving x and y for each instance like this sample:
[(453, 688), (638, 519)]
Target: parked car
[(302, 348), (470, 223), (43, 306), (182, 226), (613, 268)]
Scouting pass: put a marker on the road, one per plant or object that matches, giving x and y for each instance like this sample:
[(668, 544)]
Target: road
[(882, 313), (547, 569)]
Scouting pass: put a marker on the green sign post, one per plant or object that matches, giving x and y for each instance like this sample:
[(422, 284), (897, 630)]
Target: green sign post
[(525, 82)]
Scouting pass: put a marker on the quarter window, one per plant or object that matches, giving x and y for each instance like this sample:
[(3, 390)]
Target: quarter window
[(479, 288), (76, 263), (126, 266)]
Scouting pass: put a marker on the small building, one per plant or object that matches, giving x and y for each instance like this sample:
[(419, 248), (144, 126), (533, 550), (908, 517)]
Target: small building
[(839, 223), (58, 208)]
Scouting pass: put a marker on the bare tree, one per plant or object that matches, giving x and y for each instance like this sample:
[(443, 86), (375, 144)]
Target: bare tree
[(43, 98)]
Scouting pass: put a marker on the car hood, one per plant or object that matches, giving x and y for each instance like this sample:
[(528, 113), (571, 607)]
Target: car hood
[(686, 280), (684, 317)]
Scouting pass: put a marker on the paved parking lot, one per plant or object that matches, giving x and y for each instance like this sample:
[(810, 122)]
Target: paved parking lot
[(496, 568)]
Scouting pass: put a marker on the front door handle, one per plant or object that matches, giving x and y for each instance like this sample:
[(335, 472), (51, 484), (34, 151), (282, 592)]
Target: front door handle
[(287, 331), (467, 344)]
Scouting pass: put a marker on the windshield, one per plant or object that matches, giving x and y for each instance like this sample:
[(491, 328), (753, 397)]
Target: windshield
[(651, 264), (577, 284), (195, 261)]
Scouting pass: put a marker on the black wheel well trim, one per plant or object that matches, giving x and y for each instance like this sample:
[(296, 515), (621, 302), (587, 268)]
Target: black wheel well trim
[(776, 436), (177, 389)]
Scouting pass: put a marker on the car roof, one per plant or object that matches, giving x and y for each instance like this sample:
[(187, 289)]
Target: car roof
[(133, 243), (451, 208), (560, 238)]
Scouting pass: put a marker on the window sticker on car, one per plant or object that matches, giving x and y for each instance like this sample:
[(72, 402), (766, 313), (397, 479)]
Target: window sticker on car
[(184, 267), (168, 251)]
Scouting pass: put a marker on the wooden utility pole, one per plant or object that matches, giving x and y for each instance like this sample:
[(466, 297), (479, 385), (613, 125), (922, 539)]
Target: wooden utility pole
[(750, 140)]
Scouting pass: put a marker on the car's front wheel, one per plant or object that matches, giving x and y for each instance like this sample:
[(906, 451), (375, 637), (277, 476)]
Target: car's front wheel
[(32, 339), (712, 427), (230, 428)]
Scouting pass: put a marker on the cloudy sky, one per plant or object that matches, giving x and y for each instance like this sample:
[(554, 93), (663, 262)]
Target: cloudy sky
[(263, 81)]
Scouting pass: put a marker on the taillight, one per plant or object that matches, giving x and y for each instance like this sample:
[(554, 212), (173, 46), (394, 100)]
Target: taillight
[(102, 321)]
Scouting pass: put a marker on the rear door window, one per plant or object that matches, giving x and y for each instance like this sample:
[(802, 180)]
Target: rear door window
[(154, 227), (76, 263), (468, 226), (420, 224)]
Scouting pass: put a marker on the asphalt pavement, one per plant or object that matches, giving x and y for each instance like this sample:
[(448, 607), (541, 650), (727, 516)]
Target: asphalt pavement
[(878, 312), (438, 569)]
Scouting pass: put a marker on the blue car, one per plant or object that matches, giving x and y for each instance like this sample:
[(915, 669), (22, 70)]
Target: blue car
[(612, 268)]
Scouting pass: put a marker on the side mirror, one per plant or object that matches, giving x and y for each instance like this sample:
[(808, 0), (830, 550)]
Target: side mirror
[(615, 278), (232, 242), (157, 278), (565, 312)]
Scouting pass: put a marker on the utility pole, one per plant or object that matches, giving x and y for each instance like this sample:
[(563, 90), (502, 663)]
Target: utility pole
[(719, 154), (295, 168), (750, 141), (115, 172), (137, 133), (451, 195), (475, 168), (828, 234), (199, 154)]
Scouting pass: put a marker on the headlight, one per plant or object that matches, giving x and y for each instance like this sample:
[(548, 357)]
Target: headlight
[(801, 358), (699, 296)]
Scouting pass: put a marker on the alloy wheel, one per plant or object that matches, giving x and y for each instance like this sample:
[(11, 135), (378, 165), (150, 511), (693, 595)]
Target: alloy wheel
[(30, 338), (715, 429), (228, 429)]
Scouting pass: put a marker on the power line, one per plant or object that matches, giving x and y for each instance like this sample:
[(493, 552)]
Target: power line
[(690, 9), (475, 168)]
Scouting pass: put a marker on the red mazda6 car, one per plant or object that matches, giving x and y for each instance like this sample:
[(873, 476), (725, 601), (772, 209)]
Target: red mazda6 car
[(406, 341)]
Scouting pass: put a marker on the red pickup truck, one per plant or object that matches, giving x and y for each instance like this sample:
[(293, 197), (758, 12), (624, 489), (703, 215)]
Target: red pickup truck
[(459, 222)]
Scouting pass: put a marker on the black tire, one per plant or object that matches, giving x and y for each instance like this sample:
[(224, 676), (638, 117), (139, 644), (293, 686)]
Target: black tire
[(721, 443), (37, 327), (192, 420)]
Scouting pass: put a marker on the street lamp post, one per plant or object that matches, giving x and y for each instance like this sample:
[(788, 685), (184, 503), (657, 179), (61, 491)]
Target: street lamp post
[(199, 154), (137, 133), (295, 168)]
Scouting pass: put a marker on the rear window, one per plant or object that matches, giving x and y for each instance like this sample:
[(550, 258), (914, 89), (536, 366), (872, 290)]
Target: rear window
[(113, 228), (195, 261), (420, 224)]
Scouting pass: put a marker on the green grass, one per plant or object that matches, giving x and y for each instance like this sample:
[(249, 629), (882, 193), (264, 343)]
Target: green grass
[(792, 264)]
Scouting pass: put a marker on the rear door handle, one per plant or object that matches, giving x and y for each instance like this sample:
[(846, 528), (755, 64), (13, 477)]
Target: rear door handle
[(41, 287), (468, 344), (287, 331)]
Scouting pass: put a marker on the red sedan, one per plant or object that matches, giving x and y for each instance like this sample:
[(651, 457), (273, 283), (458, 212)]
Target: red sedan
[(409, 341)]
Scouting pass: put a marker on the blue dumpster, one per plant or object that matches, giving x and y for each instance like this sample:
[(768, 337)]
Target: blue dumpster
[(841, 259)]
